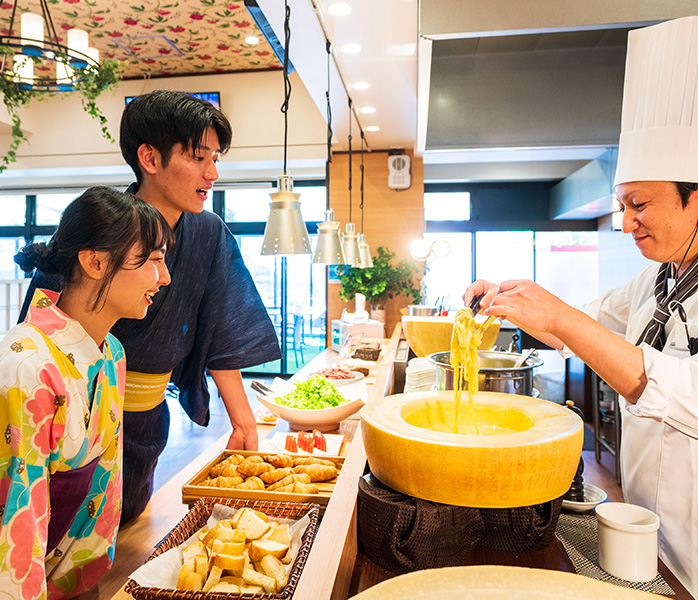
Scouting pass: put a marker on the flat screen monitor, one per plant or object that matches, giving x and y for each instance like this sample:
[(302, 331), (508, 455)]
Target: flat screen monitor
[(212, 97)]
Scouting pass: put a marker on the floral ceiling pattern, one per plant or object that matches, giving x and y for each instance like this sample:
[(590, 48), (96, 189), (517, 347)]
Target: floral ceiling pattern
[(157, 38)]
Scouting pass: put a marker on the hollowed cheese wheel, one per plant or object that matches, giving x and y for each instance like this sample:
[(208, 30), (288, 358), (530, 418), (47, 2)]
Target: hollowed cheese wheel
[(533, 464), (496, 582)]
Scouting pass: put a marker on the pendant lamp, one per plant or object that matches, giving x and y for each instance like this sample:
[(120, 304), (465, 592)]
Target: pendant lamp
[(329, 247), (285, 232), (365, 260), (350, 243)]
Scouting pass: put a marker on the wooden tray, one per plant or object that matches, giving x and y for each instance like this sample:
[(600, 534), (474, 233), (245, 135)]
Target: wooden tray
[(192, 491)]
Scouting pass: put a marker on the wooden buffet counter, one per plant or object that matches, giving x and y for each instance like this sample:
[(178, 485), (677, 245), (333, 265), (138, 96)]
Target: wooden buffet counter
[(335, 569)]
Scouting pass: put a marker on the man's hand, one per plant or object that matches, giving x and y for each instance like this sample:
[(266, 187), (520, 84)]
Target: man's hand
[(232, 391)]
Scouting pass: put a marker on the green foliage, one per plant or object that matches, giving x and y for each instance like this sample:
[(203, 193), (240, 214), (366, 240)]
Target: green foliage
[(92, 82), (381, 281)]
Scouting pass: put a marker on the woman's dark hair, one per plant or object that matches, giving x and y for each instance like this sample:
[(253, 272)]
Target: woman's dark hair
[(164, 118), (685, 189), (105, 220)]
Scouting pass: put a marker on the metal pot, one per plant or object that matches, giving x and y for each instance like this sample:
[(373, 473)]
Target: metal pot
[(496, 374), (422, 310)]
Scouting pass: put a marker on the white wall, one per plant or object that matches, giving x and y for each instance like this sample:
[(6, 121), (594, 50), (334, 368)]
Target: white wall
[(66, 146)]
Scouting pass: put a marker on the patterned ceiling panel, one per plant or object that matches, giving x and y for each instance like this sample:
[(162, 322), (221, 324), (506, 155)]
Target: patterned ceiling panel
[(159, 38)]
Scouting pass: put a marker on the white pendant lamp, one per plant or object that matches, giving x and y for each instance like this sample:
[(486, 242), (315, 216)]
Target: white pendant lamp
[(329, 246), (350, 243), (285, 233), (365, 260)]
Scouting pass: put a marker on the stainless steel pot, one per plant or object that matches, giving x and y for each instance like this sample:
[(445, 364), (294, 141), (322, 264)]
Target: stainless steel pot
[(496, 374), (422, 310)]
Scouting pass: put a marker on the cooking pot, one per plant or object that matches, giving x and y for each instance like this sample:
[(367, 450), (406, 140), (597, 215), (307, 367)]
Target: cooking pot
[(422, 310), (496, 372)]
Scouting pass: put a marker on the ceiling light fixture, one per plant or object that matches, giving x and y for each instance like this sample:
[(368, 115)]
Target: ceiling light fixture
[(361, 85), (61, 66), (329, 245), (365, 260), (351, 49), (339, 9), (367, 110), (285, 232), (350, 243), (373, 128), (252, 40)]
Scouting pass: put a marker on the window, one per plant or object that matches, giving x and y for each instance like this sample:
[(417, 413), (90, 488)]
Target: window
[(8, 248), (49, 207), (251, 204), (14, 209), (446, 278), (502, 255), (447, 206)]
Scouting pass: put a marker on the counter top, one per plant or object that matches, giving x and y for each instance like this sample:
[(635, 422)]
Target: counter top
[(335, 569)]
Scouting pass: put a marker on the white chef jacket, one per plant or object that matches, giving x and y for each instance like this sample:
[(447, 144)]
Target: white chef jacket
[(659, 449)]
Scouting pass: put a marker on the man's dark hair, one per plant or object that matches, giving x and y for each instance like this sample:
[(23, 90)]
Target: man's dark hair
[(164, 118), (685, 189)]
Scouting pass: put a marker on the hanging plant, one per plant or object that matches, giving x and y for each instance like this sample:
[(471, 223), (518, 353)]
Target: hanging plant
[(381, 281), (91, 82)]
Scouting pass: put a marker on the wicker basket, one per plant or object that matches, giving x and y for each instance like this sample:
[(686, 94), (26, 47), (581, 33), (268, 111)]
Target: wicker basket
[(197, 517)]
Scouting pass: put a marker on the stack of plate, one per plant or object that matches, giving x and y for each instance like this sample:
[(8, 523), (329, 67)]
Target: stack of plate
[(420, 375)]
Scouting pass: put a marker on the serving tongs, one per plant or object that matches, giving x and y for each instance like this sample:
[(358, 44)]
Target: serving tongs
[(258, 386), (475, 308)]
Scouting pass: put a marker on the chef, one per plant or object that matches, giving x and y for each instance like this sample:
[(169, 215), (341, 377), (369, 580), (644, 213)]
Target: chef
[(642, 338)]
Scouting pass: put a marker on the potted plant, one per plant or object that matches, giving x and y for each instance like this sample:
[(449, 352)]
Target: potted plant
[(91, 82), (383, 280)]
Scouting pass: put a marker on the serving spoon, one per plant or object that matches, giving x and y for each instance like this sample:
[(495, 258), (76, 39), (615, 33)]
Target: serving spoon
[(523, 358)]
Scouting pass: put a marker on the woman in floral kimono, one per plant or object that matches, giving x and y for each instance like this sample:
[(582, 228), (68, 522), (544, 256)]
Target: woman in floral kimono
[(61, 395)]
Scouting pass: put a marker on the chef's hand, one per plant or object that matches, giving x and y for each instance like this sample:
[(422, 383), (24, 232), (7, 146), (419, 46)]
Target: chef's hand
[(477, 287), (530, 307)]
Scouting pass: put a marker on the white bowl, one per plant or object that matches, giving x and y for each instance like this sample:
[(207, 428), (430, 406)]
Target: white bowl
[(592, 497), (322, 419)]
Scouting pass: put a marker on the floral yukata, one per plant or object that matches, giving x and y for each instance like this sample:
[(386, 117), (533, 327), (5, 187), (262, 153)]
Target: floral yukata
[(61, 400)]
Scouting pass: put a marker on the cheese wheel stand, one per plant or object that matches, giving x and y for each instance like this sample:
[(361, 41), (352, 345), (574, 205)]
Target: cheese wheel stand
[(335, 569)]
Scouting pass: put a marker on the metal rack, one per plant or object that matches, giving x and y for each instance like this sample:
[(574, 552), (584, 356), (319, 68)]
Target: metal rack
[(607, 426)]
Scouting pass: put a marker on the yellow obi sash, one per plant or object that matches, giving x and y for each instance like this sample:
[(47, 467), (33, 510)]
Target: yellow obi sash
[(144, 391)]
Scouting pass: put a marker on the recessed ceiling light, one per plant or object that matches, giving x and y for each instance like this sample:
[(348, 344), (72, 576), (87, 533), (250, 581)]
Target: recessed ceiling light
[(339, 9), (373, 128), (351, 48), (361, 85), (367, 110), (252, 40)]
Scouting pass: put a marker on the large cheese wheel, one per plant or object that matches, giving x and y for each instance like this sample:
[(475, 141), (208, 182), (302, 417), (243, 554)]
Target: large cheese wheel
[(410, 448), (495, 582), (427, 335)]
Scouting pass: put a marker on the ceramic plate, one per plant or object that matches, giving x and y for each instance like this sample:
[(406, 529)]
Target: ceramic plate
[(592, 496)]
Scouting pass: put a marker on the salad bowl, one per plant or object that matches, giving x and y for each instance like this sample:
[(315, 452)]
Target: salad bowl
[(322, 419)]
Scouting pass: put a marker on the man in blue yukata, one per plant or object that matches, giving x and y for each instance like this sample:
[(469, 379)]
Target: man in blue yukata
[(211, 316)]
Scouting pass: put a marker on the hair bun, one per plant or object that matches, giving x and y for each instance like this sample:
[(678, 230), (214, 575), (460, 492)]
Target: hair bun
[(38, 256)]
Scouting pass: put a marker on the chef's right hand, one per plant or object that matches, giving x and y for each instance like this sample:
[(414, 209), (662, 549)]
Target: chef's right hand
[(480, 286)]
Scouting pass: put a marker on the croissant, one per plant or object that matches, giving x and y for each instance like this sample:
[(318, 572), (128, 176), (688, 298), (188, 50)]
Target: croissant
[(229, 471), (317, 472), (251, 483), (311, 460), (280, 461), (297, 487), (255, 458), (228, 482), (302, 477), (275, 475), (249, 469)]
